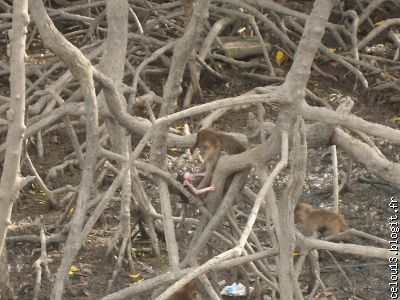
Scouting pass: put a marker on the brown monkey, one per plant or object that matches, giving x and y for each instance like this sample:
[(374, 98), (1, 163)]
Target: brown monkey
[(319, 220), (211, 143), (187, 292)]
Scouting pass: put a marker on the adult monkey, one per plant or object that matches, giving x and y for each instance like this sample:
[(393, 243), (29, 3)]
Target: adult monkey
[(321, 221), (187, 292), (211, 143)]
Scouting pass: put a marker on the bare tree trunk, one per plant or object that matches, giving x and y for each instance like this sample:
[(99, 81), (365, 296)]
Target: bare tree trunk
[(10, 182), (113, 63), (296, 84), (172, 90), (289, 286), (81, 69), (6, 288)]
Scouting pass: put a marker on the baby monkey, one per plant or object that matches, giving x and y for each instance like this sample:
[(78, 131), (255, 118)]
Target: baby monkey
[(322, 221), (186, 178), (187, 292), (211, 143)]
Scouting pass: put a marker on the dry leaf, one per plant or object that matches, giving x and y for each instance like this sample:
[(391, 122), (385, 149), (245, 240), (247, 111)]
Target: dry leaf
[(134, 283), (280, 57), (73, 270)]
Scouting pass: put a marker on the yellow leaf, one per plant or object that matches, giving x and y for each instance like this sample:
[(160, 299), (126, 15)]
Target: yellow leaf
[(280, 56), (73, 270), (133, 283), (173, 149), (134, 275), (179, 126), (332, 50), (296, 253)]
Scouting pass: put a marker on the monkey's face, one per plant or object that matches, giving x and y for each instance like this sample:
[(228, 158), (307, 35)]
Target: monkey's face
[(192, 290), (204, 149), (193, 295), (188, 176)]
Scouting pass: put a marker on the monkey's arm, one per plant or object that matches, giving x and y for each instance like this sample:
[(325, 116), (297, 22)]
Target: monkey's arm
[(199, 174), (209, 170), (199, 191)]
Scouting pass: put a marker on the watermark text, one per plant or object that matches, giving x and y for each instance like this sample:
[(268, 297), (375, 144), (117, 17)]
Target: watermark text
[(394, 249)]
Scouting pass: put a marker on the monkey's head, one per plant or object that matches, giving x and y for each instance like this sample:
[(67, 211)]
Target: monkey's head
[(187, 292), (186, 175), (191, 290), (206, 140), (180, 178), (301, 212)]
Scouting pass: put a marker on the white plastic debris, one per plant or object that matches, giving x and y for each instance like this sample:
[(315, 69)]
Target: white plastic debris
[(234, 290)]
